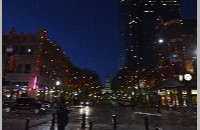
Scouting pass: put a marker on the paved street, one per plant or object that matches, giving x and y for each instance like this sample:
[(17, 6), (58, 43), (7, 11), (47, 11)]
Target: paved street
[(127, 119)]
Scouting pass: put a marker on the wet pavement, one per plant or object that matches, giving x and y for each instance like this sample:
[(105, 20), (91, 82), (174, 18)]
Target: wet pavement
[(127, 119)]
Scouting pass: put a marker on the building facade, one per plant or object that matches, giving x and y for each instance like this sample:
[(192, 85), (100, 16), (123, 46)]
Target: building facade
[(138, 21), (32, 64), (175, 56), (107, 88), (158, 46)]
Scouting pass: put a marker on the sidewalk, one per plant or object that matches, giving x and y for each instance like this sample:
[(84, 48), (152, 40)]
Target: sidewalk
[(165, 112), (78, 126), (70, 126)]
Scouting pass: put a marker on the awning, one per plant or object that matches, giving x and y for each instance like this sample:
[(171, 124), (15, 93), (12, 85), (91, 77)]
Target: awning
[(174, 83), (162, 93)]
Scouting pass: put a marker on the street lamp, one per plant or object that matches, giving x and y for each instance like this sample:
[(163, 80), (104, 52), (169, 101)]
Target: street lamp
[(160, 40), (158, 48), (185, 79), (55, 93), (57, 83)]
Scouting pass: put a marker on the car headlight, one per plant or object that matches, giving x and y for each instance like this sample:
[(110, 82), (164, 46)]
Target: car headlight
[(43, 109), (81, 103)]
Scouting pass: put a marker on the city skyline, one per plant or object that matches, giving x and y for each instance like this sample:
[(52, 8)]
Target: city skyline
[(87, 32)]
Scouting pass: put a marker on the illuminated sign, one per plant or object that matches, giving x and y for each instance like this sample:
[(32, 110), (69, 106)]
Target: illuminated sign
[(35, 82)]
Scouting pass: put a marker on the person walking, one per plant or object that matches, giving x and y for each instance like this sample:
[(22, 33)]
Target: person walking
[(62, 114)]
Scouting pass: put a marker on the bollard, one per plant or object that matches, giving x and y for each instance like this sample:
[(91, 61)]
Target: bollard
[(90, 125), (27, 123), (157, 127), (114, 121), (158, 109), (83, 121), (53, 119), (146, 123)]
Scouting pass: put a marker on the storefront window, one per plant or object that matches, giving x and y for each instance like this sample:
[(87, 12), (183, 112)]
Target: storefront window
[(194, 100)]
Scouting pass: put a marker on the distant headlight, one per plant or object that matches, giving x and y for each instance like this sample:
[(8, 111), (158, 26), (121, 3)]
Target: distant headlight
[(43, 109), (87, 103), (81, 103)]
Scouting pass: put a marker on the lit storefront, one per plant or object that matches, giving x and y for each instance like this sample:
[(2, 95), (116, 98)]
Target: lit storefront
[(13, 90), (177, 97)]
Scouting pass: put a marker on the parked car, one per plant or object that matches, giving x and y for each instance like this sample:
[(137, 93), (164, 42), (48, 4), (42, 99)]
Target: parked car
[(7, 103), (45, 104), (26, 103), (53, 104)]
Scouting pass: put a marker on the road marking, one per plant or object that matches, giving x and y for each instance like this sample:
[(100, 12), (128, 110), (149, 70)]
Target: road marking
[(152, 114)]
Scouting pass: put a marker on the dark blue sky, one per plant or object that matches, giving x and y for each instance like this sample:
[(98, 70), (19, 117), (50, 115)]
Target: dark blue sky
[(87, 30)]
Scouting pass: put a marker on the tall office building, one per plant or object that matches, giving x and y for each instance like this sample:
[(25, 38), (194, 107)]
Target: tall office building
[(139, 19)]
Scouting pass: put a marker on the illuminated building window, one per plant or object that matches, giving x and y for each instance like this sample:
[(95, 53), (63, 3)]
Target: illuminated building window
[(148, 11), (29, 50)]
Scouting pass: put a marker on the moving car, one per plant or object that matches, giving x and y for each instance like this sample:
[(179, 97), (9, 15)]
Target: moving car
[(86, 103), (26, 103)]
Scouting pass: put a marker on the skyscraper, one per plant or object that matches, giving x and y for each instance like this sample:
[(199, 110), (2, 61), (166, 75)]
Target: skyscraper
[(139, 19)]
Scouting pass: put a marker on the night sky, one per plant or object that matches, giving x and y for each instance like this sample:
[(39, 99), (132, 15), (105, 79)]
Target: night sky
[(87, 30)]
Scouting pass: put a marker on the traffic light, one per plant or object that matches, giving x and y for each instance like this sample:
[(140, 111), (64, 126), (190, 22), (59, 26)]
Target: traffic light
[(174, 55)]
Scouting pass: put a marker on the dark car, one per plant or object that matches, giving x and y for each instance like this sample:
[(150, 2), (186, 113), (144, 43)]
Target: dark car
[(26, 103), (7, 103), (86, 103)]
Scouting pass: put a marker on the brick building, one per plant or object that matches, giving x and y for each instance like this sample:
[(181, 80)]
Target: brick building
[(175, 55), (32, 64)]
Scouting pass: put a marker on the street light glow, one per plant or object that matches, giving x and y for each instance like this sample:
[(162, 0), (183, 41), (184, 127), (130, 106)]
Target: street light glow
[(160, 40), (57, 82), (187, 77)]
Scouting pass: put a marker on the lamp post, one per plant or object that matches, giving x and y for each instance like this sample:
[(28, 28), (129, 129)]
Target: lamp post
[(57, 88), (57, 83), (160, 42), (185, 79)]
